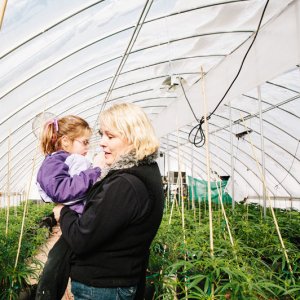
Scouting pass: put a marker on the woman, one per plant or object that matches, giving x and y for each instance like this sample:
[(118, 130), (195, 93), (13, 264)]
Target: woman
[(111, 240)]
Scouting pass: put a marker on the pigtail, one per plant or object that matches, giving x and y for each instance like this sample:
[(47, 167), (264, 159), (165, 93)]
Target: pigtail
[(49, 137)]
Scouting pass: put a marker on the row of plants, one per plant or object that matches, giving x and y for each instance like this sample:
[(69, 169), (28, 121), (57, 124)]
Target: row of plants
[(15, 273), (182, 265)]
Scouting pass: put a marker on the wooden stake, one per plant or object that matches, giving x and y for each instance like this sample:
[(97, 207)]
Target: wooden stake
[(8, 185), (25, 208), (207, 164), (211, 238), (224, 213), (193, 183), (199, 204), (270, 203), (2, 12), (180, 192)]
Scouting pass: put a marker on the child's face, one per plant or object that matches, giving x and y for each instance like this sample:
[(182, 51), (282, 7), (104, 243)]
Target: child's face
[(79, 145)]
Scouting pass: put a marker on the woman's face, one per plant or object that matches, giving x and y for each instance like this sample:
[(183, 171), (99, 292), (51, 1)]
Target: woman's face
[(113, 145)]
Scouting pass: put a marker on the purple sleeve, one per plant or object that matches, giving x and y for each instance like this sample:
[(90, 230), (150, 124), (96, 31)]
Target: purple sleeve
[(55, 180)]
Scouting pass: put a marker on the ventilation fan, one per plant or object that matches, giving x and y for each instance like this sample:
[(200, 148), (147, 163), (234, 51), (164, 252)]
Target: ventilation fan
[(170, 83)]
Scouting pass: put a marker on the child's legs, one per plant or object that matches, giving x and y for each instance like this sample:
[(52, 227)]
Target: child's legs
[(54, 279)]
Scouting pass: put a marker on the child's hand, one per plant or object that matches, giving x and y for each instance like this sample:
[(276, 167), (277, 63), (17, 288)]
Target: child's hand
[(57, 208), (99, 160)]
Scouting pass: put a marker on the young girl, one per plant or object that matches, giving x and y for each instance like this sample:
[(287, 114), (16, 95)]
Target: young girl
[(64, 177)]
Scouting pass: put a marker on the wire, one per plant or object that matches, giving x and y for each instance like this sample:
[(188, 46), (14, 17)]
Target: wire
[(288, 172), (187, 99), (199, 137), (197, 140)]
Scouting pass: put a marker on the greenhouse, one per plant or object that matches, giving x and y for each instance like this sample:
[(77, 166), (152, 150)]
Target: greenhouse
[(219, 82)]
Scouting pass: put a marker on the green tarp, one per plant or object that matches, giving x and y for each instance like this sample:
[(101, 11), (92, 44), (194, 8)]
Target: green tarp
[(198, 190)]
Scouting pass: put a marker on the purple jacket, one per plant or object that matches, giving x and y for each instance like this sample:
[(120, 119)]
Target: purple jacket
[(54, 179)]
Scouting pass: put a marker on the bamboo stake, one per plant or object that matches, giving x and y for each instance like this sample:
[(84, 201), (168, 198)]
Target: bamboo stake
[(180, 192), (171, 212), (182, 206), (25, 210), (199, 204), (211, 238), (176, 197), (231, 155), (207, 164), (193, 199), (2, 12), (168, 183), (218, 204), (270, 203), (15, 205), (8, 184), (224, 214), (193, 183), (205, 204)]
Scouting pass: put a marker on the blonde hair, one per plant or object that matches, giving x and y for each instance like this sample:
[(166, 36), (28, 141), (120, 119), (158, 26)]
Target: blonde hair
[(53, 131), (132, 123)]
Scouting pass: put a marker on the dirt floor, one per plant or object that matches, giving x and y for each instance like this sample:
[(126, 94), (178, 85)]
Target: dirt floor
[(42, 257)]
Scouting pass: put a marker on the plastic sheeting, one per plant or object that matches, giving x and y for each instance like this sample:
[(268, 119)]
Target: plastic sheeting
[(69, 57)]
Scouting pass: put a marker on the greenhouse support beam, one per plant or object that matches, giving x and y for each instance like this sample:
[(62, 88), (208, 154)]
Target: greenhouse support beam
[(276, 198), (130, 45)]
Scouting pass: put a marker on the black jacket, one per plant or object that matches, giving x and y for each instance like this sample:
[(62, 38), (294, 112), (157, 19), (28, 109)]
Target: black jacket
[(111, 239)]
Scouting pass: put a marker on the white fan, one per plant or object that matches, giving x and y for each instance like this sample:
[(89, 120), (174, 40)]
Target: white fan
[(39, 121)]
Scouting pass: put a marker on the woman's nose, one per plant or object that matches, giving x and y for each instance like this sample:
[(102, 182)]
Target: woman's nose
[(102, 142)]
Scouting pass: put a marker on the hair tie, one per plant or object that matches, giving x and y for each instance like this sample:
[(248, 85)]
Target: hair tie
[(55, 123)]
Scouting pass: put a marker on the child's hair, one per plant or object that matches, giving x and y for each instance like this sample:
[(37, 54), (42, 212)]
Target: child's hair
[(132, 124), (53, 131)]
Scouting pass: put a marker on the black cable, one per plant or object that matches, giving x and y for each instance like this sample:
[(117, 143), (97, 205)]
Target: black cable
[(199, 141), (186, 98), (199, 136)]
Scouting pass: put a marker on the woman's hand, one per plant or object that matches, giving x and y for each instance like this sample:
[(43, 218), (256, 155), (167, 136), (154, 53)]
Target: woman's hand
[(57, 210)]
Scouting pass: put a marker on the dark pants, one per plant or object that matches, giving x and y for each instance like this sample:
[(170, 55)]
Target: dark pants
[(54, 279)]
